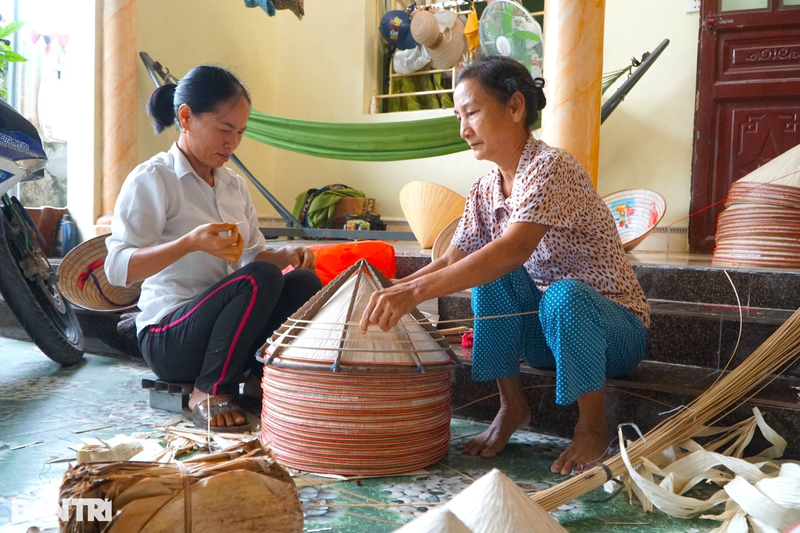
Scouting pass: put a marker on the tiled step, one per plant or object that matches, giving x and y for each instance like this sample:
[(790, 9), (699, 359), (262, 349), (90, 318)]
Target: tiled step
[(645, 399)]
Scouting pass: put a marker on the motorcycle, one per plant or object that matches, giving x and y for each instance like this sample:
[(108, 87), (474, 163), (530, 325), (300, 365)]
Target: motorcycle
[(28, 282)]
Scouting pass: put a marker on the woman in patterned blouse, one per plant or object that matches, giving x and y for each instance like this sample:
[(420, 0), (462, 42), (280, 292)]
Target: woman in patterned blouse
[(534, 237)]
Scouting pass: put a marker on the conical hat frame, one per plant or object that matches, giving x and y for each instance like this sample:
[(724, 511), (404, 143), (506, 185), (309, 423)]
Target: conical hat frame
[(293, 325)]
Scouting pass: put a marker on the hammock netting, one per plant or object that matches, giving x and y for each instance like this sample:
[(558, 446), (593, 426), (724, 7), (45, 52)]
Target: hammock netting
[(386, 141)]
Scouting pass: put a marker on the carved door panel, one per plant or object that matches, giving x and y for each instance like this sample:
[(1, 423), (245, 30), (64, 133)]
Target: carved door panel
[(748, 99)]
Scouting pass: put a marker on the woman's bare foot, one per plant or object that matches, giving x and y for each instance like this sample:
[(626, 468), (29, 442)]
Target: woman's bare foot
[(230, 419), (514, 414), (588, 445), (494, 440), (590, 439)]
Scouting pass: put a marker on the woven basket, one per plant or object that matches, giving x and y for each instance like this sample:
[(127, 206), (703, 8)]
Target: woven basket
[(82, 280), (429, 208), (337, 401), (636, 213)]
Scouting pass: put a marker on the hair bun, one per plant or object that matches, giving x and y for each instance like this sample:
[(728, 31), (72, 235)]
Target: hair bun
[(161, 107), (541, 101)]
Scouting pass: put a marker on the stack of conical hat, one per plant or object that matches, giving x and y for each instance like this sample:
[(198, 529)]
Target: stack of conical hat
[(429, 208), (339, 401), (760, 226)]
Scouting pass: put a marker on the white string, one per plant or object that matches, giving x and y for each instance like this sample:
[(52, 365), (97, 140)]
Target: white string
[(738, 339), (429, 338), (741, 320), (417, 323), (299, 346)]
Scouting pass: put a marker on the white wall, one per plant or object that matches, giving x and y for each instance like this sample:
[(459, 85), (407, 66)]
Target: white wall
[(182, 34), (647, 141)]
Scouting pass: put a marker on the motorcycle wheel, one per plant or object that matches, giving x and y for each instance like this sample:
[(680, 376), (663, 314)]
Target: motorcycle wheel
[(47, 318)]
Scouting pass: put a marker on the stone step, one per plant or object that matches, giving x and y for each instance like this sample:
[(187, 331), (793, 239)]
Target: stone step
[(645, 399), (686, 333), (757, 288)]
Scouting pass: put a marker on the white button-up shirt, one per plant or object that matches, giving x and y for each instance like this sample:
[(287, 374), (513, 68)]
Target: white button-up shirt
[(162, 200)]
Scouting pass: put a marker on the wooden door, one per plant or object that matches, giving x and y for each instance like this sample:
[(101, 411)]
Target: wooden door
[(747, 107)]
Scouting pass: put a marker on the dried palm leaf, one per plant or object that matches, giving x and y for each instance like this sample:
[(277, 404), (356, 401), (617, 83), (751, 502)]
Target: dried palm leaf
[(754, 490), (238, 489)]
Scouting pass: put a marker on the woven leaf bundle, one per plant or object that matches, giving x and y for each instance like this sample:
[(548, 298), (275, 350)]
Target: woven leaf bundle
[(776, 355), (239, 489)]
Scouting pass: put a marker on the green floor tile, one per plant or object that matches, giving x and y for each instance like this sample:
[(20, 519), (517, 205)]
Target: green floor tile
[(50, 406)]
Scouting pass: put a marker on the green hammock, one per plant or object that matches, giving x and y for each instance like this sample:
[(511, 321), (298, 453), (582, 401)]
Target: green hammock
[(371, 141), (382, 141)]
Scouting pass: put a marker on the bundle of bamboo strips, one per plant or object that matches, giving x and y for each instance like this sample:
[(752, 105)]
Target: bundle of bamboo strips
[(240, 488), (773, 357)]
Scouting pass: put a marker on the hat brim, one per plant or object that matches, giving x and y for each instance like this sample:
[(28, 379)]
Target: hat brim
[(82, 280), (451, 51)]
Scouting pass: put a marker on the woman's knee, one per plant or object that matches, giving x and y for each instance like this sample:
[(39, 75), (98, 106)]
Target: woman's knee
[(566, 292), (302, 282), (513, 293), (263, 274)]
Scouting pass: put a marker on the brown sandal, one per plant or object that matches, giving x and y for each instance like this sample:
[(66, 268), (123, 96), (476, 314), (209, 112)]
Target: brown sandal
[(220, 404)]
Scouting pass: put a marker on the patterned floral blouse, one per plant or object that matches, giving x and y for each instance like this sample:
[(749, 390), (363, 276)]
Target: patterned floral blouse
[(552, 188)]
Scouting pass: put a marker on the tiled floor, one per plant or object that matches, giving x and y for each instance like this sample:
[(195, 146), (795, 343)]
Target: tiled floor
[(48, 409)]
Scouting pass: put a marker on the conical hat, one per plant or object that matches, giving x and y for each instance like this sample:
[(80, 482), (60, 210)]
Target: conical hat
[(495, 504), (325, 332), (435, 521), (444, 239), (783, 170), (82, 280), (429, 207)]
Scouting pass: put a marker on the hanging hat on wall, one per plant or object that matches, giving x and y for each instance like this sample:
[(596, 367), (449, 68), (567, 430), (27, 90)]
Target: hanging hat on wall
[(395, 29), (82, 280), (446, 49)]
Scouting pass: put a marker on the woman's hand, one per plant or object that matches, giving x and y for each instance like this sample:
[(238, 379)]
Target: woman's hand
[(300, 257), (388, 306), (207, 238)]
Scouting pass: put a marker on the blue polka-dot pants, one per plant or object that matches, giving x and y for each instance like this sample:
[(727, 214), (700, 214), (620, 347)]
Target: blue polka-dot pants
[(579, 333)]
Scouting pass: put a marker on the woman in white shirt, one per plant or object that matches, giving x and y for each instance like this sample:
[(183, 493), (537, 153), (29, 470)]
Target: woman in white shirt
[(185, 224)]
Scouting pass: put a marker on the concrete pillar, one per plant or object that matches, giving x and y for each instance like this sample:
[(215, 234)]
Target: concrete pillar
[(119, 100), (573, 69)]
